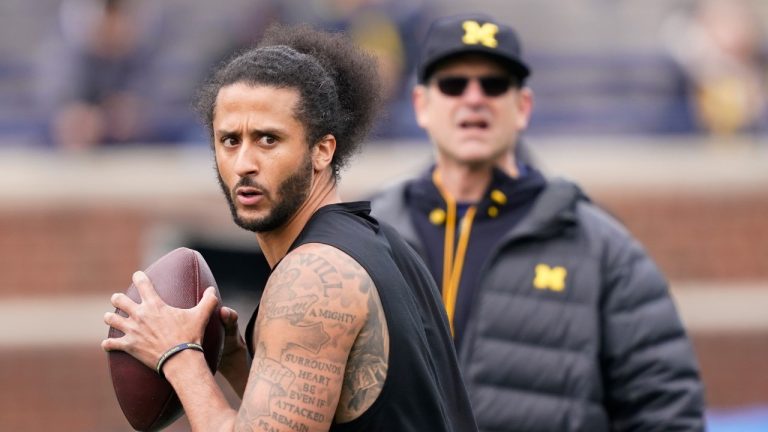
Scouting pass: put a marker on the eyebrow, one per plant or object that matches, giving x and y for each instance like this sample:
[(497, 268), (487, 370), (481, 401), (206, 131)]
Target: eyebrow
[(253, 132)]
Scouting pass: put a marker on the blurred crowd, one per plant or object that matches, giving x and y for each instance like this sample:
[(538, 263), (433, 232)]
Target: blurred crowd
[(109, 72), (98, 84), (719, 50)]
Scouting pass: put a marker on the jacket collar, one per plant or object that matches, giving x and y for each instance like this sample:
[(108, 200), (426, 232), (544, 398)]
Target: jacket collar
[(554, 210)]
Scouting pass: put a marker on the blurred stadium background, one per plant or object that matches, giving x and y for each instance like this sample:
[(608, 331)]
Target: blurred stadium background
[(657, 107)]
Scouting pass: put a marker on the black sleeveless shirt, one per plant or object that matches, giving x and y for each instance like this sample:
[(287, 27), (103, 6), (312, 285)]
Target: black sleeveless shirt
[(423, 390)]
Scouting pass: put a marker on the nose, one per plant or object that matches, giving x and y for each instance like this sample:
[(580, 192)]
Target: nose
[(246, 161), (473, 94)]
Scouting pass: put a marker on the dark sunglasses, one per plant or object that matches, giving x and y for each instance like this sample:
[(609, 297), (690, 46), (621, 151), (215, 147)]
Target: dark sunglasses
[(494, 85)]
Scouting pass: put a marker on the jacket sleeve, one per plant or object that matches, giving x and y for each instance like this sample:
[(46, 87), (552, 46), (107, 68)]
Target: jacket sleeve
[(650, 373)]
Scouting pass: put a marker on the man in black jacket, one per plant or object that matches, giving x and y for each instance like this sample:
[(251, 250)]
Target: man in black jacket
[(561, 320)]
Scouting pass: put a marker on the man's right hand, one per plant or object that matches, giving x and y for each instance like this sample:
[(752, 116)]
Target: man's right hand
[(235, 362)]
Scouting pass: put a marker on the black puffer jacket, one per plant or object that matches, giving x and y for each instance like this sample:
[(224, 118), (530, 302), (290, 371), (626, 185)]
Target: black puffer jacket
[(604, 352)]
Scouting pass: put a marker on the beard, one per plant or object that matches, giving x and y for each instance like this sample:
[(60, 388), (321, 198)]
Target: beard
[(291, 194)]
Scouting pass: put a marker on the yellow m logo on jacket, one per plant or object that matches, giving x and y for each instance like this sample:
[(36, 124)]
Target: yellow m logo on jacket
[(552, 278), (485, 34)]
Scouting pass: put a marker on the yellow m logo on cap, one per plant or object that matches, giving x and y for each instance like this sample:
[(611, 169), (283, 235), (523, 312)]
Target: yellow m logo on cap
[(550, 277), (485, 34)]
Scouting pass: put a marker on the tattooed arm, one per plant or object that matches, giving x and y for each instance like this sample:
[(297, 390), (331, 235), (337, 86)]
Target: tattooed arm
[(321, 341), (321, 351), (319, 318)]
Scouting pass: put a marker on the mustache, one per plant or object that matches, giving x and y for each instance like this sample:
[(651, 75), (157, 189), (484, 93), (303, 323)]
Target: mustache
[(249, 182)]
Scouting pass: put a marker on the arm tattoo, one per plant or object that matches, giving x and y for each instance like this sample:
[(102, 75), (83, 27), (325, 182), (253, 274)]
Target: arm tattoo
[(320, 335), (368, 361)]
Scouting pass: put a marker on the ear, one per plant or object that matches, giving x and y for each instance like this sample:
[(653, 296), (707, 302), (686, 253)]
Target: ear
[(419, 97), (524, 107), (322, 152)]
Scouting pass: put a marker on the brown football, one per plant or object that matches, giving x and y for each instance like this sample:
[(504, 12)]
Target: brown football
[(147, 399)]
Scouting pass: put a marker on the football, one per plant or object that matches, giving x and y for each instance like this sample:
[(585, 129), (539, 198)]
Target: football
[(146, 398)]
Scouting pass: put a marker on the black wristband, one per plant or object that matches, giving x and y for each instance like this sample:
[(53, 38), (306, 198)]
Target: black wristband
[(173, 351)]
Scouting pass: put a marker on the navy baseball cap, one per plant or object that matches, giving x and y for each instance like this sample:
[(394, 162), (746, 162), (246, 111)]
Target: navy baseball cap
[(471, 33)]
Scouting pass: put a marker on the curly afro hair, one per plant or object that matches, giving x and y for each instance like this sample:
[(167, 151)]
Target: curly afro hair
[(338, 83)]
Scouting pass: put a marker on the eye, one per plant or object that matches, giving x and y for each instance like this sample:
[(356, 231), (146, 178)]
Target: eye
[(268, 140), (228, 141)]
